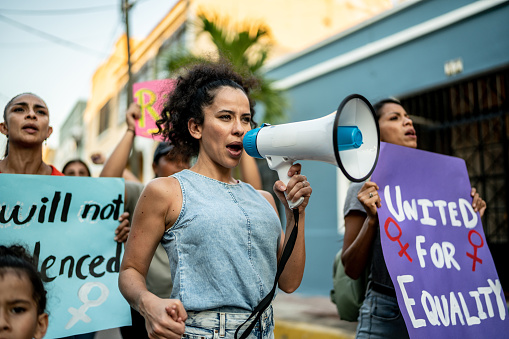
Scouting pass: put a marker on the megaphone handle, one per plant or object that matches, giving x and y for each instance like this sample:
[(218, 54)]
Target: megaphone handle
[(281, 165)]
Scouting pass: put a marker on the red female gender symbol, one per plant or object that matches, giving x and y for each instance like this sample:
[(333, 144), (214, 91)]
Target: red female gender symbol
[(403, 247), (475, 246)]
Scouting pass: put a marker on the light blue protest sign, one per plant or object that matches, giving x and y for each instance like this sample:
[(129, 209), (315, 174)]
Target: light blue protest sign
[(68, 223), (435, 249)]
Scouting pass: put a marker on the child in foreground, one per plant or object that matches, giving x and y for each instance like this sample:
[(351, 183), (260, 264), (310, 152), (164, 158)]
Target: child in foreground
[(22, 296)]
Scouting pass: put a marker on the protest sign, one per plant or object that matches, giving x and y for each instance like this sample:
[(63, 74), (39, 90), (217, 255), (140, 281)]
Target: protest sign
[(151, 96), (68, 223), (434, 247)]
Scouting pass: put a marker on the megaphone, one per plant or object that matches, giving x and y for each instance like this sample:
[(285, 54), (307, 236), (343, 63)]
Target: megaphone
[(348, 138)]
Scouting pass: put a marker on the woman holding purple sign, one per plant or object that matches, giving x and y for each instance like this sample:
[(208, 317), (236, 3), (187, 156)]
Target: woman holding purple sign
[(223, 238), (379, 316)]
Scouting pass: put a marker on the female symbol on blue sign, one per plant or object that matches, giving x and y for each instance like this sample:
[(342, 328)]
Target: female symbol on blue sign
[(396, 238), (79, 314)]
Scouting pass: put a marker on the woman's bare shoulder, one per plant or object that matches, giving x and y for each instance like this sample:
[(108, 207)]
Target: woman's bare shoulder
[(166, 194), (162, 186), (269, 198), (161, 192), (266, 195)]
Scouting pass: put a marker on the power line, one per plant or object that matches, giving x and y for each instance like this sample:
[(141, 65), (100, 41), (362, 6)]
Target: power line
[(18, 45), (112, 36), (42, 12), (57, 11), (51, 37)]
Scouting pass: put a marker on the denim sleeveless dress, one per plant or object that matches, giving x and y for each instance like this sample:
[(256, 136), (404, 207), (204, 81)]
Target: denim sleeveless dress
[(223, 245)]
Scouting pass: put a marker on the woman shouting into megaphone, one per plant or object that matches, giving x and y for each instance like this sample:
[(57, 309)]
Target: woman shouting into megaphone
[(223, 238)]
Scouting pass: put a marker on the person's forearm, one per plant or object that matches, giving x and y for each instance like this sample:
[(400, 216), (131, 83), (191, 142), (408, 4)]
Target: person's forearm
[(132, 286), (164, 318), (356, 256), (294, 270), (117, 162)]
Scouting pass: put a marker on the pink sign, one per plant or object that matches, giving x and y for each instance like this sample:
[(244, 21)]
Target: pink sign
[(151, 96)]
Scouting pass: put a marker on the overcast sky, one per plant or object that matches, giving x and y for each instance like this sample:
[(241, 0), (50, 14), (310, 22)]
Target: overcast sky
[(53, 47)]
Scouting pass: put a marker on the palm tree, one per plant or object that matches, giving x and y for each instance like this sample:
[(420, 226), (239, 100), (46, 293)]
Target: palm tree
[(247, 49)]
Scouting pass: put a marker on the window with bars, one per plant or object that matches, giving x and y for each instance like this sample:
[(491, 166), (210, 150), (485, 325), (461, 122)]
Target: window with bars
[(470, 120)]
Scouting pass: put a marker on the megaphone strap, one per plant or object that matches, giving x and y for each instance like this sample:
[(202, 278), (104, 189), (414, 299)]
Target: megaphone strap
[(262, 306)]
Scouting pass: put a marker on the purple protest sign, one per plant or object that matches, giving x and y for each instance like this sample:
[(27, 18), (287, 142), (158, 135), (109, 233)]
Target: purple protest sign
[(151, 96), (434, 247)]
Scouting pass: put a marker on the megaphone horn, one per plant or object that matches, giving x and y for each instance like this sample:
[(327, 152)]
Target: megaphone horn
[(348, 138)]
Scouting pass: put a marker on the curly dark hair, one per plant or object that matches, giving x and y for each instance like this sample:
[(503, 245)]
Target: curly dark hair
[(17, 258), (195, 90)]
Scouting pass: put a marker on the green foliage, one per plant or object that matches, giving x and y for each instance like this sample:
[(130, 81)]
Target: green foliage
[(247, 48)]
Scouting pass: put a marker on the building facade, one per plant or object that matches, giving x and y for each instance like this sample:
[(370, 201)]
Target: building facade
[(71, 138), (448, 61), (293, 26)]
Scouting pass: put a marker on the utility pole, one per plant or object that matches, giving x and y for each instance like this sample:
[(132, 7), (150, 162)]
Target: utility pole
[(126, 6)]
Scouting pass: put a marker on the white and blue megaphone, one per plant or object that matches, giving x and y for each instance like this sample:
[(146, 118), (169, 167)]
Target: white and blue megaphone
[(348, 138)]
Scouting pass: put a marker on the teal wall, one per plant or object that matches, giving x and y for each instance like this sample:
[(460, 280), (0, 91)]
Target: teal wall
[(481, 41)]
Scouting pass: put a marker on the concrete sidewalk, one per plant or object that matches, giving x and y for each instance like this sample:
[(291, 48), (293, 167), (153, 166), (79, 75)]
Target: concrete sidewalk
[(299, 317), (296, 317)]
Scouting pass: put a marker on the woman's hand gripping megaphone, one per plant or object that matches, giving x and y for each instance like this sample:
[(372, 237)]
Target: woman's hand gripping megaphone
[(282, 165)]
